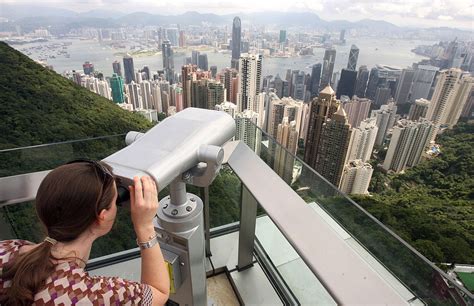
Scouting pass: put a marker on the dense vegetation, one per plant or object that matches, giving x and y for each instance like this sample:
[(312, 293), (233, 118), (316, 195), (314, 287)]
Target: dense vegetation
[(432, 205)]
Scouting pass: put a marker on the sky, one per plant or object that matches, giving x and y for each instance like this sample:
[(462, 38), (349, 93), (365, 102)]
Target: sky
[(418, 13)]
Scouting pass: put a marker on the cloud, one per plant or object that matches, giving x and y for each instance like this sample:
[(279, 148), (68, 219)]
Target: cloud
[(444, 17)]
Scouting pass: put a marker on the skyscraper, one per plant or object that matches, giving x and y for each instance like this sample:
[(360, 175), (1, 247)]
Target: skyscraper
[(386, 117), (236, 42), (88, 68), (322, 107), (418, 109), (328, 67), (298, 87), (333, 146), (282, 37), (463, 93), (357, 109), (315, 79), (117, 68), (287, 137), (128, 69), (134, 95), (450, 95), (195, 57), (182, 39), (356, 177), (250, 72), (215, 94), (346, 85), (353, 56), (404, 86), (227, 107), (409, 140), (168, 60), (187, 76), (372, 84), (116, 84), (362, 140), (246, 129), (382, 96), (203, 64), (422, 81), (362, 78), (230, 80)]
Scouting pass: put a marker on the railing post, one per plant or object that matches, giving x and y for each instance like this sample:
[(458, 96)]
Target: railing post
[(248, 216), (207, 220)]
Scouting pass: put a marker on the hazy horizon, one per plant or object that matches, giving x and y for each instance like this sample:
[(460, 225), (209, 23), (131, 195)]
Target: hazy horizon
[(418, 13)]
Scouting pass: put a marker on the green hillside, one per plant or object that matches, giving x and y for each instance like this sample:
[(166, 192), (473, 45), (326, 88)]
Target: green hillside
[(39, 106), (432, 205)]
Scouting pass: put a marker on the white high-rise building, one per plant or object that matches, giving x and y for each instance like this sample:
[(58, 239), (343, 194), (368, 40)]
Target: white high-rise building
[(362, 140), (250, 72), (280, 108), (287, 137), (448, 98), (156, 93), (104, 90), (356, 109), (147, 97), (409, 141), (385, 117), (134, 95), (356, 177), (227, 107), (247, 131), (466, 86)]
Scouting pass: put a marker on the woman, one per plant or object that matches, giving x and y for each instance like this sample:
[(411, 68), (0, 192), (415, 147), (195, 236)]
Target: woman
[(76, 204)]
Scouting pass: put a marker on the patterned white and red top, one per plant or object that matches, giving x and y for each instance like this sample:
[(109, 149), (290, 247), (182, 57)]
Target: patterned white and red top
[(71, 285)]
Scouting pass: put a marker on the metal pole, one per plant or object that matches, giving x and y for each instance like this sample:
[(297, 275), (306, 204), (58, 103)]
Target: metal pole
[(248, 216)]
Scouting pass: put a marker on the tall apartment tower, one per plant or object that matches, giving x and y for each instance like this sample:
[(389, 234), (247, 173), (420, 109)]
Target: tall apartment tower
[(116, 84), (385, 117), (246, 129), (236, 42), (322, 108), (315, 80), (419, 109), (187, 77), (333, 146), (117, 68), (357, 109), (347, 83), (444, 99), (361, 84), (353, 56), (356, 177), (328, 67), (168, 60), (404, 86), (128, 69), (408, 142), (463, 94), (287, 137), (250, 72), (362, 140), (215, 94), (422, 80)]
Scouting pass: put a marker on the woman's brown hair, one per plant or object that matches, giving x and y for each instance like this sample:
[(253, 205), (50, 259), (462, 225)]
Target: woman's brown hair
[(68, 202)]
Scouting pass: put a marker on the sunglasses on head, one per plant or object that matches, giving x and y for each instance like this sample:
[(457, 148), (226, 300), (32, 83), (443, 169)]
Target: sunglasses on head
[(123, 194)]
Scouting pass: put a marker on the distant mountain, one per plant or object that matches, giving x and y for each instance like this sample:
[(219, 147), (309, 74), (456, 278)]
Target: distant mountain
[(40, 106), (19, 11), (61, 21)]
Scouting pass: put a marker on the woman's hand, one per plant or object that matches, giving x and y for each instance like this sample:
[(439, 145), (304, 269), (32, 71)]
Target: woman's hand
[(143, 206)]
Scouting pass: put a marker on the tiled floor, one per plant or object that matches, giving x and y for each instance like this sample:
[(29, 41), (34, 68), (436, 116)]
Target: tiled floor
[(220, 292)]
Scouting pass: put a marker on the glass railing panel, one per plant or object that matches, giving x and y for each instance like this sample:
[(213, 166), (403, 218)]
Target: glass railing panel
[(417, 273), (45, 157)]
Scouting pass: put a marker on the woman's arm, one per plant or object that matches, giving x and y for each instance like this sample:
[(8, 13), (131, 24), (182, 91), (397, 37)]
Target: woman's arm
[(144, 205)]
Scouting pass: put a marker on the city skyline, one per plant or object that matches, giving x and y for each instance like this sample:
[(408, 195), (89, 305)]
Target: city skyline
[(404, 13)]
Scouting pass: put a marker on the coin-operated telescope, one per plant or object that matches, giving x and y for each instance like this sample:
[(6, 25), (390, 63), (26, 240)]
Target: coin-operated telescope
[(183, 149)]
